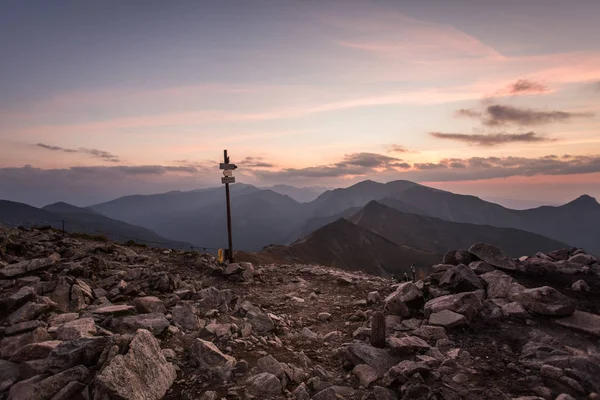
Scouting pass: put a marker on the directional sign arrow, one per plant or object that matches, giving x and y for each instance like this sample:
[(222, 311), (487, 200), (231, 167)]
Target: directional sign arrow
[(227, 166)]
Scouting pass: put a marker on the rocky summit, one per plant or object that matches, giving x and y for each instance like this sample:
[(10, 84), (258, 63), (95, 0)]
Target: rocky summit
[(89, 319)]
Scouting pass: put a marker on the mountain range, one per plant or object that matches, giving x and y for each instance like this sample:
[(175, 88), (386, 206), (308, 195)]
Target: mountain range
[(264, 217), (81, 220), (368, 226)]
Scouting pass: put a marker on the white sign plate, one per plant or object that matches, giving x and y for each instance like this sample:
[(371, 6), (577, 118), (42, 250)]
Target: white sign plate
[(228, 179)]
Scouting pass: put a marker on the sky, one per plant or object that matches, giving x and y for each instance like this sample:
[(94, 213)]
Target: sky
[(103, 99)]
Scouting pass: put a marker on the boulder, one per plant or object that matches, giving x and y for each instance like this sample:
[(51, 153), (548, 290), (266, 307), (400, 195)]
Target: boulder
[(79, 351), (492, 255), (83, 327), (141, 374), (514, 310), (361, 353), (481, 267), (460, 278), (70, 391), (20, 297), (271, 365), (365, 374), (582, 258), (118, 309), (335, 393), (206, 356), (560, 254), (264, 384), (430, 333), (149, 305), (580, 286), (25, 267), (467, 304), (30, 310), (406, 297), (155, 323), (260, 320), (45, 389), (301, 393), (9, 374), (581, 321), (35, 351), (381, 393), (456, 257), (498, 284), (185, 315), (448, 319), (408, 345), (24, 327), (545, 300), (513, 291), (59, 319), (406, 369), (12, 344)]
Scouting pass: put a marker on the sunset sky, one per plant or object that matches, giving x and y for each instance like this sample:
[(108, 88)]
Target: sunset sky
[(101, 99)]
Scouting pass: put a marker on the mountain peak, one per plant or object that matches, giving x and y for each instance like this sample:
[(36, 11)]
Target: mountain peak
[(584, 200)]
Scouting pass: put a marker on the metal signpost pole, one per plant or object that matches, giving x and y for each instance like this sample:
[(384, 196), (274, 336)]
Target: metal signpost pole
[(227, 179)]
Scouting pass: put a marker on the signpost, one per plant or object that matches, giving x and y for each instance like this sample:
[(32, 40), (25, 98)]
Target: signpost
[(227, 179)]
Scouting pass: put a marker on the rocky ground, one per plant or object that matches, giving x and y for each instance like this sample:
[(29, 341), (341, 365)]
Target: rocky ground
[(89, 319)]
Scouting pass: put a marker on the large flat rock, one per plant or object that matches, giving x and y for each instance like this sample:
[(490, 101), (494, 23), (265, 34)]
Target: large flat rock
[(581, 321)]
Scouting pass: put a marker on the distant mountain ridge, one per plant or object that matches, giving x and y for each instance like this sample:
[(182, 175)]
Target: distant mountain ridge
[(81, 220), (438, 236), (261, 219), (345, 245)]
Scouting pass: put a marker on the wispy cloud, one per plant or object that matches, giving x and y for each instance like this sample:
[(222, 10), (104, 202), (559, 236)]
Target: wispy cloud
[(255, 162), (396, 148), (500, 115), (525, 86), (492, 139), (55, 148), (95, 153)]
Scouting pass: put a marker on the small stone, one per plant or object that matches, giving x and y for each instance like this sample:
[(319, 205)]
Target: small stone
[(210, 395), (408, 345), (149, 305), (206, 355), (381, 393), (373, 297), (113, 310), (551, 371), (264, 384), (271, 365), (59, 319), (307, 333), (301, 393), (448, 319), (406, 297), (185, 315), (514, 310), (580, 286), (324, 316)]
